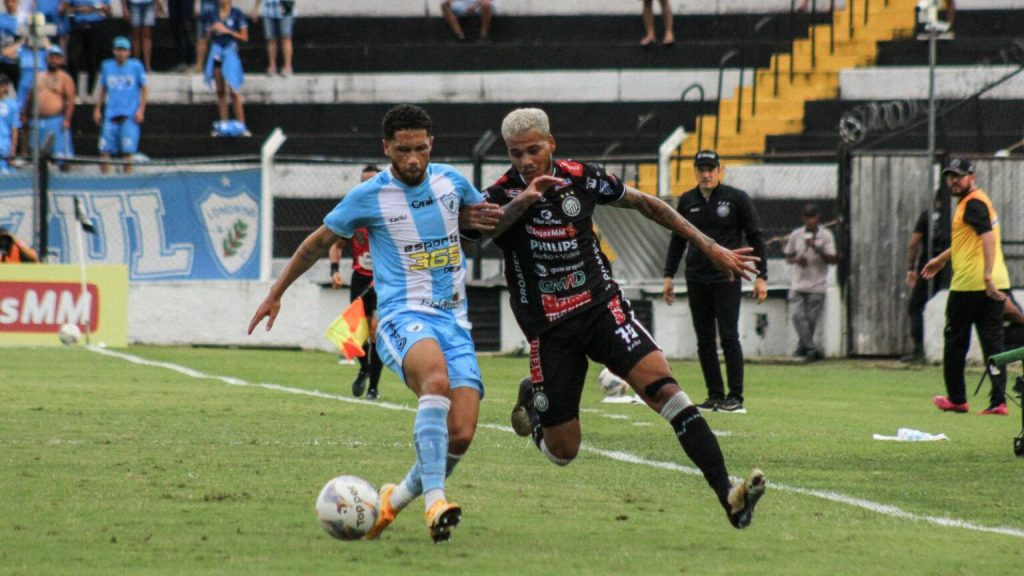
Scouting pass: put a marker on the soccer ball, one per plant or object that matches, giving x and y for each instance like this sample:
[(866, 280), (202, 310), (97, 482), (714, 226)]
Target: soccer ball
[(70, 334), (611, 384), (347, 507)]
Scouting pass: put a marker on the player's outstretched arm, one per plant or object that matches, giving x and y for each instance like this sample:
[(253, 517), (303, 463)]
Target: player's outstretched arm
[(731, 262), (312, 248), (515, 209)]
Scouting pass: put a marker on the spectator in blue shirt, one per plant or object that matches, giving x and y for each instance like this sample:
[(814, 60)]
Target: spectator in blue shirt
[(86, 43), (51, 10), (223, 65), (278, 21), (10, 122), (120, 104), (142, 15), (205, 17), (10, 42)]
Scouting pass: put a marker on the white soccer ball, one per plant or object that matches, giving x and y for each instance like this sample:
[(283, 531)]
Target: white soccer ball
[(611, 384), (347, 507), (70, 334)]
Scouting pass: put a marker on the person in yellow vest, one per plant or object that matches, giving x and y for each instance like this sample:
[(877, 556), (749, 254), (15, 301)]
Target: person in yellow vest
[(976, 297)]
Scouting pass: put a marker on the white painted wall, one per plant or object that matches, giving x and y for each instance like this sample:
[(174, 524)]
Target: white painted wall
[(911, 82), (218, 313), (543, 7), (467, 87)]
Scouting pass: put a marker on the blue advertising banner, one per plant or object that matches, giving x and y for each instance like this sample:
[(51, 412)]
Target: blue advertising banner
[(170, 226)]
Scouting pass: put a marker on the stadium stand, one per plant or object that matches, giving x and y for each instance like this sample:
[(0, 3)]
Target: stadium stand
[(892, 95), (362, 59)]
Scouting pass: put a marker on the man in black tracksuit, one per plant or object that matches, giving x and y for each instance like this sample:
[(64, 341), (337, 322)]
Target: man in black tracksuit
[(727, 215)]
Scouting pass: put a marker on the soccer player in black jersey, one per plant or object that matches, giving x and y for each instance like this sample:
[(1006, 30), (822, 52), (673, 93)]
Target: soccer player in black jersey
[(568, 306)]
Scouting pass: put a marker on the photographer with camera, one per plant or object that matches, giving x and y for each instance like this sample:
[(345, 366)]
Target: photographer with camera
[(14, 251), (810, 249), (278, 20)]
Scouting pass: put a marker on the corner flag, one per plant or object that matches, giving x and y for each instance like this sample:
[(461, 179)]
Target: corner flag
[(350, 330)]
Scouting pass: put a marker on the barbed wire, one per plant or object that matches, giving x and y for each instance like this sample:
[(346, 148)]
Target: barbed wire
[(879, 116)]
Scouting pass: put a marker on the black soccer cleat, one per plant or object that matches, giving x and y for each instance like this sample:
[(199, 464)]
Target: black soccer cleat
[(743, 498), (360, 383), (522, 421)]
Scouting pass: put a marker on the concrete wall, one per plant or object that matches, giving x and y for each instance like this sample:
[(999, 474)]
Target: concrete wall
[(935, 323), (218, 313), (542, 7)]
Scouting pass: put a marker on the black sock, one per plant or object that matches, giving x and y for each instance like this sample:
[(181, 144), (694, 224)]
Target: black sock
[(376, 367), (700, 444), (363, 362)]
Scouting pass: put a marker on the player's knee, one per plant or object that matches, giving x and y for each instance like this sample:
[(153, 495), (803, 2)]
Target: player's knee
[(560, 454)]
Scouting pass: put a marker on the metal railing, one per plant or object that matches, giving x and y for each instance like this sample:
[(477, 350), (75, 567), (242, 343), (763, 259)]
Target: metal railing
[(718, 96)]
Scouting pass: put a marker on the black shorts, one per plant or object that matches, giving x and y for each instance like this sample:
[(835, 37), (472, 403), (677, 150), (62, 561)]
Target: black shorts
[(608, 334), (358, 286)]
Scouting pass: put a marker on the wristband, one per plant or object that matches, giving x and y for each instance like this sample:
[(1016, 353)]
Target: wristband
[(334, 267)]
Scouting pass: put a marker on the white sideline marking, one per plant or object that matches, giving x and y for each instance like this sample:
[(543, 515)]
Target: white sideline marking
[(884, 509)]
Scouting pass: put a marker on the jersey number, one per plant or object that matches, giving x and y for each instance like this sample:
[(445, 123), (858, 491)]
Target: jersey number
[(439, 258), (627, 333)]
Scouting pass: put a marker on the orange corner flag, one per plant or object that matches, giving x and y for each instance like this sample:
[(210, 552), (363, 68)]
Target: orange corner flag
[(350, 330)]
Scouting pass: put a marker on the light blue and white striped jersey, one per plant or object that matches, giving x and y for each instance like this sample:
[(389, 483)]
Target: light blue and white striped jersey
[(414, 239)]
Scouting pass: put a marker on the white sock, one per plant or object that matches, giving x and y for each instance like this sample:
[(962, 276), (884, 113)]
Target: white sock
[(433, 496)]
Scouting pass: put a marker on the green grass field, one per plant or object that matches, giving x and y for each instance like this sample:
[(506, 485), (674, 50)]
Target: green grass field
[(109, 466)]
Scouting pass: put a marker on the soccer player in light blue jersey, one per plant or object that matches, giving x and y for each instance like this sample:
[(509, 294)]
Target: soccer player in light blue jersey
[(413, 211), (120, 104)]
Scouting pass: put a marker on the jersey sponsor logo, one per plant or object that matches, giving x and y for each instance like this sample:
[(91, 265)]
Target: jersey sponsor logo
[(573, 168), (513, 192), (231, 225), (120, 82), (443, 304), (390, 330), (427, 245), (571, 206), (568, 268), (451, 202), (615, 307), (723, 209), (591, 183), (563, 246), (555, 308), (414, 328), (417, 204), (43, 307), (606, 188), (574, 280), (396, 219), (559, 256), (551, 233), (536, 373), (540, 269), (502, 180), (517, 268)]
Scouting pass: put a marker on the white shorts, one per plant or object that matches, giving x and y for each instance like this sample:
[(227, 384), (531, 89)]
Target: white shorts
[(464, 7)]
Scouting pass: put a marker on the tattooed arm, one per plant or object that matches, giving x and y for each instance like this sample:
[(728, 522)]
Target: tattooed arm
[(731, 262)]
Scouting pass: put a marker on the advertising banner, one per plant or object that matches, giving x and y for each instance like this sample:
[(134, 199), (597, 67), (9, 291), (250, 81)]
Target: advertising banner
[(37, 299), (171, 226)]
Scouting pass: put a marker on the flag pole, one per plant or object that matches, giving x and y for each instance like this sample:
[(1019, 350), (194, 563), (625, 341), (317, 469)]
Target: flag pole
[(79, 213)]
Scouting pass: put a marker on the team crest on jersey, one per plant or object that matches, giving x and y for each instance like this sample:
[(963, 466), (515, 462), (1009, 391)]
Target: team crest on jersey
[(571, 206), (450, 201), (232, 226), (723, 209)]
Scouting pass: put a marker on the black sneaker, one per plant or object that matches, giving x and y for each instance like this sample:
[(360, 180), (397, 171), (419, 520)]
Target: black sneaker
[(360, 384), (731, 404), (711, 403), (744, 496), (371, 394), (522, 422)]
